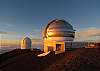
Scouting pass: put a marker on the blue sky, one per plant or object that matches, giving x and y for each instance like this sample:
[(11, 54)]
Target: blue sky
[(30, 16)]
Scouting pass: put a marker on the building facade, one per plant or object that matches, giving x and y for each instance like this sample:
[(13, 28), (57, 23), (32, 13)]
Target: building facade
[(56, 34)]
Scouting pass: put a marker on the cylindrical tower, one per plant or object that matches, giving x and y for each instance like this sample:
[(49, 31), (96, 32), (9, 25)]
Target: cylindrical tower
[(26, 43)]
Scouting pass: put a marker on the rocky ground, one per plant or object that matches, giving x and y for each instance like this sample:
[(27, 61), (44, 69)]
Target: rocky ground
[(81, 59)]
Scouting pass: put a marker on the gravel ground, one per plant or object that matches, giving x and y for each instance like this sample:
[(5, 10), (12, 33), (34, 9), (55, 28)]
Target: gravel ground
[(81, 59)]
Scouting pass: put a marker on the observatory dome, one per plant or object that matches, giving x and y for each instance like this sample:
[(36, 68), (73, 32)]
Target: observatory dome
[(26, 43), (59, 28)]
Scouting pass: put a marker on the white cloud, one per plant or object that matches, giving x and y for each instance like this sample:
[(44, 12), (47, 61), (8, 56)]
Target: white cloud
[(2, 32), (88, 34)]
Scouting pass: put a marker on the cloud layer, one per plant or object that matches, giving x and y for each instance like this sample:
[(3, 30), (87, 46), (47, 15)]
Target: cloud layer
[(9, 33), (88, 34)]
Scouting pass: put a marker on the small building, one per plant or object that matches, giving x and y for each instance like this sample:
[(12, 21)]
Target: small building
[(56, 35), (26, 43), (92, 45)]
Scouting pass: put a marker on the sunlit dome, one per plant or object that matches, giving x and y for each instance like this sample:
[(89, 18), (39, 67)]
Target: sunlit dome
[(56, 34), (62, 24), (59, 28)]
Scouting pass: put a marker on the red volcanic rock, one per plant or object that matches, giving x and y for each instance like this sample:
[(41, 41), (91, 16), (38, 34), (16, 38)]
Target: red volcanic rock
[(81, 59)]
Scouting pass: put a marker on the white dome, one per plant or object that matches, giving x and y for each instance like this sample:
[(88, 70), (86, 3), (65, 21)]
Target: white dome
[(25, 43), (59, 28)]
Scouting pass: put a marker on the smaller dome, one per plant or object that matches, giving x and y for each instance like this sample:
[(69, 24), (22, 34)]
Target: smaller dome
[(27, 38), (26, 43)]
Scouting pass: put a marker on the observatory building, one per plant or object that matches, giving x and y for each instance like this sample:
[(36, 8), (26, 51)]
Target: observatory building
[(56, 35), (26, 43)]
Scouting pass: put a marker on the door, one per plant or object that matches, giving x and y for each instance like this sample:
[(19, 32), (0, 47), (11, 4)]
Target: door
[(58, 47)]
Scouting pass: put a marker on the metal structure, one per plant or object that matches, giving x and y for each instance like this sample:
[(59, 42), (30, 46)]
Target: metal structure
[(56, 34)]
